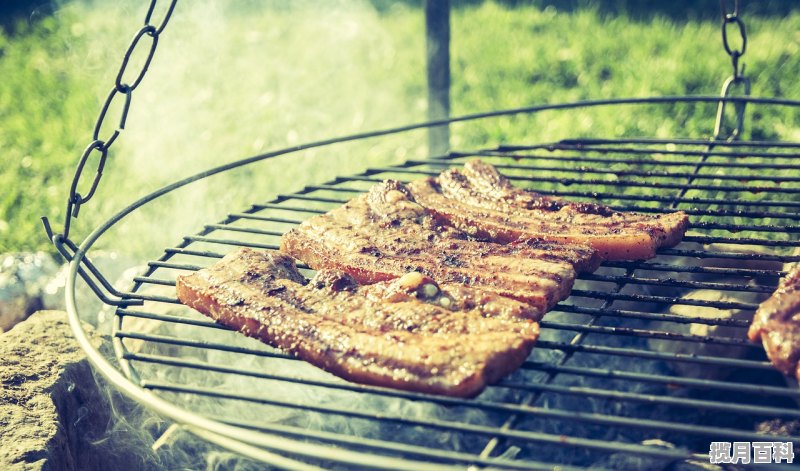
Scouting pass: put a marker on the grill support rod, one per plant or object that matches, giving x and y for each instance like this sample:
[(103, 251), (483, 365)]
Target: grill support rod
[(437, 45)]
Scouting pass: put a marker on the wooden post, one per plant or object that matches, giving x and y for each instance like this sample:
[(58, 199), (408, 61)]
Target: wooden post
[(437, 42)]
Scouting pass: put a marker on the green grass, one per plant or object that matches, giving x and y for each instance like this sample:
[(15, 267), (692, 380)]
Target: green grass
[(228, 83)]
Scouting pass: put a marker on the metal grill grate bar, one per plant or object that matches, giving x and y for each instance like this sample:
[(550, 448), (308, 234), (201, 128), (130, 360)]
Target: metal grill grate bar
[(703, 239), (628, 151), (175, 266), (234, 242), (647, 354), (493, 155), (740, 240), (723, 271), (680, 283), (572, 308), (587, 141), (657, 400), (715, 361), (599, 195), (585, 277), (649, 266), (641, 209), (568, 307), (577, 292), (650, 334), (675, 252), (616, 183), (646, 315), (619, 146), (663, 299), (669, 380), (442, 164)]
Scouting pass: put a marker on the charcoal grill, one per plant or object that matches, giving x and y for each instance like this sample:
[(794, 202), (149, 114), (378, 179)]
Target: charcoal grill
[(641, 365)]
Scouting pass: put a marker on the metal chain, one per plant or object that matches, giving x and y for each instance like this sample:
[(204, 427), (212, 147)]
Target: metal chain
[(123, 89), (737, 79)]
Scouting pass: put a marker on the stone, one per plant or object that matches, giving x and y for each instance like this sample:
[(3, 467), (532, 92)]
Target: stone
[(44, 397), (23, 281), (54, 414), (57, 415)]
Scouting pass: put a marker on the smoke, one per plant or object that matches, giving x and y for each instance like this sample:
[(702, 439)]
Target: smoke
[(230, 80), (235, 79)]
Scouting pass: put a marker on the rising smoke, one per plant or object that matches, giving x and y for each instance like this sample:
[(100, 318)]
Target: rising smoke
[(234, 79), (230, 80)]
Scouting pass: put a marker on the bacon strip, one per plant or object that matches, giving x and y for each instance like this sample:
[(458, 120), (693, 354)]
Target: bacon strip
[(777, 325), (408, 334), (483, 203), (384, 234)]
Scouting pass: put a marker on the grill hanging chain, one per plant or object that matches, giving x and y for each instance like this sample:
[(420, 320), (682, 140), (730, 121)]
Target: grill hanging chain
[(76, 199), (121, 88), (738, 78)]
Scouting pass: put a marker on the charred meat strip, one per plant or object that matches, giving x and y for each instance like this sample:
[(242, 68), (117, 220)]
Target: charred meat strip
[(483, 203), (385, 234), (409, 333), (777, 325)]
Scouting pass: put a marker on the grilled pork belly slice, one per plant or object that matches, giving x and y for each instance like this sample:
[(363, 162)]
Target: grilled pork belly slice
[(777, 325), (483, 203), (409, 333), (385, 234)]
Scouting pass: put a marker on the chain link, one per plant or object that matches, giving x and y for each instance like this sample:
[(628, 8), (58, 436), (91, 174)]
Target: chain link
[(737, 84), (732, 18), (102, 116), (121, 88), (150, 31)]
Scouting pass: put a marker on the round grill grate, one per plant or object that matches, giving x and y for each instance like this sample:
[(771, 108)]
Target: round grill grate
[(641, 354)]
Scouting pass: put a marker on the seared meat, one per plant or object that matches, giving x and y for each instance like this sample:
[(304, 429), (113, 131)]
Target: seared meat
[(777, 325), (409, 333), (385, 234), (483, 203)]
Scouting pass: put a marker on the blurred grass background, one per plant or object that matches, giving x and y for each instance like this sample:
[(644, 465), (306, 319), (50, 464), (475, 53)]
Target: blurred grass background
[(232, 79)]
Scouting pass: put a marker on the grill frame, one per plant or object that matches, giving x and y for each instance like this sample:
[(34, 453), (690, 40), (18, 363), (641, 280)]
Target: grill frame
[(256, 444)]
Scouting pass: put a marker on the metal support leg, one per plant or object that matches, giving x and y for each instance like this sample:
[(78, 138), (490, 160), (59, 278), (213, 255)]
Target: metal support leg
[(437, 34)]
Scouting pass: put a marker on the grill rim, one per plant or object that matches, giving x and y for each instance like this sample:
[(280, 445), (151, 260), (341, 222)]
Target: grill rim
[(122, 377)]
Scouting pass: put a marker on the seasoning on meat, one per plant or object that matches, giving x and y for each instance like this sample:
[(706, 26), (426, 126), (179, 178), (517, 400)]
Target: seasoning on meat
[(385, 234), (483, 203), (777, 325), (400, 334)]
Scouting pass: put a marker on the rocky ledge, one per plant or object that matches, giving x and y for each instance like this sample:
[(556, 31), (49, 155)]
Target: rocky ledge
[(47, 391)]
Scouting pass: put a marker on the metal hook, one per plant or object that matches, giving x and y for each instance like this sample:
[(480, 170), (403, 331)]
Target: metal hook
[(62, 244)]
